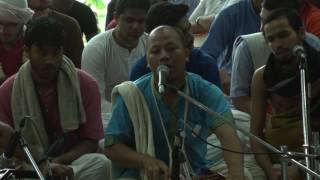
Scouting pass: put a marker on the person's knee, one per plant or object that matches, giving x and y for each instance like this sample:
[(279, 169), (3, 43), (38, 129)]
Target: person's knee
[(99, 160), (92, 166)]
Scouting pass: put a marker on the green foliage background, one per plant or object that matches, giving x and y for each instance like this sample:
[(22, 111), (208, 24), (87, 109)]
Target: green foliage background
[(99, 4), (100, 9)]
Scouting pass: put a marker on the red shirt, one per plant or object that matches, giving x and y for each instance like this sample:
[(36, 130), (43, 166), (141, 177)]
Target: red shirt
[(11, 59), (310, 15), (92, 129)]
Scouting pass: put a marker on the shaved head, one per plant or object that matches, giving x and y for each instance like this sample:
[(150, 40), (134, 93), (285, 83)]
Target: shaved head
[(170, 29)]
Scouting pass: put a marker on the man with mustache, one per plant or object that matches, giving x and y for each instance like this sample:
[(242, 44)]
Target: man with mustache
[(14, 14), (109, 56), (63, 104), (141, 134), (278, 84), (199, 62)]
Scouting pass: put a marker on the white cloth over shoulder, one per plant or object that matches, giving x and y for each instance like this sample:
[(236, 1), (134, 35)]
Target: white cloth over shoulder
[(24, 102), (140, 117)]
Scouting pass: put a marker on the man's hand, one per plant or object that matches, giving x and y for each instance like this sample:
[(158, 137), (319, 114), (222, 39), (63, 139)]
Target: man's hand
[(154, 168), (59, 171)]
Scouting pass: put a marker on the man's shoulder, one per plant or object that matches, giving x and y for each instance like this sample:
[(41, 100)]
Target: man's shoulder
[(7, 85), (65, 20), (101, 40), (84, 77), (195, 81), (253, 36), (80, 7), (236, 7), (201, 89), (143, 81)]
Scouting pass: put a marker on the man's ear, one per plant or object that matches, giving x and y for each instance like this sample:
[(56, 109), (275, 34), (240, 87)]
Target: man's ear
[(116, 16), (187, 53)]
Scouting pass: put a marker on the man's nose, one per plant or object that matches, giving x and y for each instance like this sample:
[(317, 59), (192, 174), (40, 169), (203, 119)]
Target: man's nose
[(50, 59), (135, 25), (277, 44), (164, 56)]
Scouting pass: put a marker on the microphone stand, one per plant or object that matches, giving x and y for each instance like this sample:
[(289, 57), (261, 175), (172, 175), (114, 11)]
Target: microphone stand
[(176, 158), (25, 148), (284, 155), (179, 160), (304, 85)]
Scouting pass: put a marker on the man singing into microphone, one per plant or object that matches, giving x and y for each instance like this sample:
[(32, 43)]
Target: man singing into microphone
[(278, 83), (139, 138)]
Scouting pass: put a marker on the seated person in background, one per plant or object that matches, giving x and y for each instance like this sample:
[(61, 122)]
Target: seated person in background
[(251, 52), (81, 12), (110, 10), (62, 101), (110, 55), (238, 19), (147, 148), (198, 62), (192, 4), (278, 83), (73, 44), (310, 15), (204, 14), (13, 17), (112, 23)]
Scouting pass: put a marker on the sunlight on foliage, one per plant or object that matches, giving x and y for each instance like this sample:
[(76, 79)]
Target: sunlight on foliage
[(99, 4)]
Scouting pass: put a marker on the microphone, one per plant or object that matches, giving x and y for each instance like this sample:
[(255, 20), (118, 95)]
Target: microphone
[(163, 72), (299, 51)]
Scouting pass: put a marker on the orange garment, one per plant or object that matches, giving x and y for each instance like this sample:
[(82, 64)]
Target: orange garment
[(310, 15)]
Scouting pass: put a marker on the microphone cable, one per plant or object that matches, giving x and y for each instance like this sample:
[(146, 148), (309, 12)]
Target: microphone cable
[(225, 149)]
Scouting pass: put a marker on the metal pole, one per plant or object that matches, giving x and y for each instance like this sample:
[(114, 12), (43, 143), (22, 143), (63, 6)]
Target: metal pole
[(284, 163), (32, 161), (305, 111)]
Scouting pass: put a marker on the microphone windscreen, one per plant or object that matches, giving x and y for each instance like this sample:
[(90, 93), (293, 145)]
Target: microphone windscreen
[(163, 68)]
